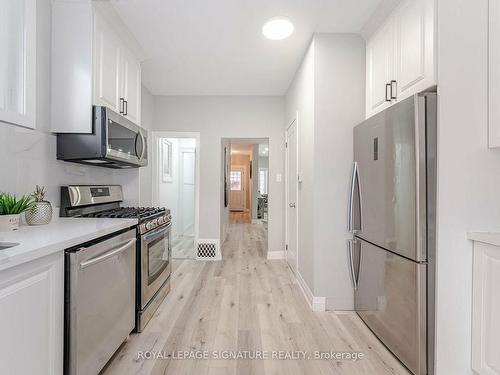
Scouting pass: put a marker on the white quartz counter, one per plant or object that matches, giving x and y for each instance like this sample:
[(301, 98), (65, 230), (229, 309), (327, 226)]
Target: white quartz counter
[(492, 238), (61, 233)]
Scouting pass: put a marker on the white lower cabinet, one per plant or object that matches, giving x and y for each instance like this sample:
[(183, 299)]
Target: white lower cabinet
[(31, 317), (486, 310)]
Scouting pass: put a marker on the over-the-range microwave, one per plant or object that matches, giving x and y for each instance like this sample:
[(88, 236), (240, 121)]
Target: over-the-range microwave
[(115, 142)]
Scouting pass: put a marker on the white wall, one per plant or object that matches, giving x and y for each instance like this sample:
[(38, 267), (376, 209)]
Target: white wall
[(468, 173), (28, 157), (228, 117), (300, 99), (145, 173), (328, 94), (339, 106)]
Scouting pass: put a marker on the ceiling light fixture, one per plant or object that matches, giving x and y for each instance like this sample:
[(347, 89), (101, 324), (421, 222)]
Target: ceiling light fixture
[(277, 28)]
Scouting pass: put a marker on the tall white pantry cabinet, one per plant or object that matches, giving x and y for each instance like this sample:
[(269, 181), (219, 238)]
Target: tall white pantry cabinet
[(93, 63), (401, 55)]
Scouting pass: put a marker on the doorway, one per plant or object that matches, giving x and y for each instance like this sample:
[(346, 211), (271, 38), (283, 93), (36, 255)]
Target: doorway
[(245, 183), (175, 186), (291, 207), (239, 188)]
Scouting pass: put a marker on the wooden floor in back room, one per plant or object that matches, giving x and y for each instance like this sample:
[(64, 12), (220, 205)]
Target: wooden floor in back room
[(246, 306)]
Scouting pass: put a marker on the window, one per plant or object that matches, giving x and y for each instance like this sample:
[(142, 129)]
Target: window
[(235, 178), (263, 177)]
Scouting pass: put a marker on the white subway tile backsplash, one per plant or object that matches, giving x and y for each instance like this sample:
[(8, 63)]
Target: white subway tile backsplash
[(28, 158)]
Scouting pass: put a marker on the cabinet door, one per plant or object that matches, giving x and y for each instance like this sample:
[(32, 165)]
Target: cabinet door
[(414, 47), (379, 69), (106, 65), (18, 62), (131, 86), (31, 311), (486, 310)]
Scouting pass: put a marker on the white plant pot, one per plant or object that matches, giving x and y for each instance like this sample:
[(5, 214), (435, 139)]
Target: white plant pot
[(9, 222)]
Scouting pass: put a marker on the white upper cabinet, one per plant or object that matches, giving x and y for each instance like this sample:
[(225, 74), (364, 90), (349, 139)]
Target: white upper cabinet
[(92, 64), (106, 65), (401, 55), (379, 69), (18, 62), (415, 62), (130, 87)]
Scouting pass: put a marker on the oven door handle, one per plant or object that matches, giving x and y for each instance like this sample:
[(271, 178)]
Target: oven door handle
[(151, 235)]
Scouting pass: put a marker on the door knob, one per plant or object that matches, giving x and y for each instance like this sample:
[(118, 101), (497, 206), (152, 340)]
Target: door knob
[(292, 205)]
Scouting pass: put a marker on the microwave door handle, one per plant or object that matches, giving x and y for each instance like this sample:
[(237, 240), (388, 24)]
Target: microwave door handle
[(143, 142)]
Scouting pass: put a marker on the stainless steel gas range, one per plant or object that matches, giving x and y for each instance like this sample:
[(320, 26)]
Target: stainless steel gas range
[(154, 253)]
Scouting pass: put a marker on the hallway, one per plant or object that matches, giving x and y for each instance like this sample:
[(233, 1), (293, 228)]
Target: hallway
[(246, 303)]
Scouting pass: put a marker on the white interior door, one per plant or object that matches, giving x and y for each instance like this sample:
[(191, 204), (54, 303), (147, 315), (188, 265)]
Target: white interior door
[(187, 190), (237, 183), (291, 194)]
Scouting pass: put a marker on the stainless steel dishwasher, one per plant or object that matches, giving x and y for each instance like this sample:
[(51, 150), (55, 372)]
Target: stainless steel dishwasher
[(99, 301)]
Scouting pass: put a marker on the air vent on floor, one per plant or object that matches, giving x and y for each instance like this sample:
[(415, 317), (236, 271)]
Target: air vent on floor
[(208, 249)]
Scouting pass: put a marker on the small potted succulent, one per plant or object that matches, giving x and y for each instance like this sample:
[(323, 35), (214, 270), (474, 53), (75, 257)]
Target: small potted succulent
[(11, 209), (41, 212)]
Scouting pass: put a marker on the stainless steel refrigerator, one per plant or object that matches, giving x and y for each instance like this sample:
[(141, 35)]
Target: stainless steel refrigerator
[(392, 210)]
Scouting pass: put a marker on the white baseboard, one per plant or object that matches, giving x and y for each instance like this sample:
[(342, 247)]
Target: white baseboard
[(316, 303), (275, 255)]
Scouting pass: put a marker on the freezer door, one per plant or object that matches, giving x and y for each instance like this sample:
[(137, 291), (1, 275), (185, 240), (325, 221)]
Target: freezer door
[(389, 150), (391, 300)]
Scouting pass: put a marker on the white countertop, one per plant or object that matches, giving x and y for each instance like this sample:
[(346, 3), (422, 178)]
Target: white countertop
[(492, 238), (60, 234)]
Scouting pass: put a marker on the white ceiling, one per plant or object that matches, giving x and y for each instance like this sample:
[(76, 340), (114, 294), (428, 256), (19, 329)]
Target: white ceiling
[(215, 47)]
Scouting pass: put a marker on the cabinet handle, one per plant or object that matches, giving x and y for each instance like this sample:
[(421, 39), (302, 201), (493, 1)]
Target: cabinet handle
[(125, 108), (394, 93), (122, 101), (387, 89)]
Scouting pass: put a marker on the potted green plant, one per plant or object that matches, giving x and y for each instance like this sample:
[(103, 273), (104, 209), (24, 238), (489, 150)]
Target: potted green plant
[(11, 209), (41, 212)]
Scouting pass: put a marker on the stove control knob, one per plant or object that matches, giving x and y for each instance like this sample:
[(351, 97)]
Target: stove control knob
[(150, 225)]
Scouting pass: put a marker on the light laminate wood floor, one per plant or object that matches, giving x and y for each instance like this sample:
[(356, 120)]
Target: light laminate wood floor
[(247, 303), (240, 217)]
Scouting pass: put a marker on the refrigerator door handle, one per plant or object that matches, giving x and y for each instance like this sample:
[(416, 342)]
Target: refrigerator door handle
[(350, 256), (356, 271), (354, 181)]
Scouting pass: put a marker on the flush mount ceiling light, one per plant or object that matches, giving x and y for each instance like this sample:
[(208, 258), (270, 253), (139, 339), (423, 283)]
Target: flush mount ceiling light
[(277, 28)]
